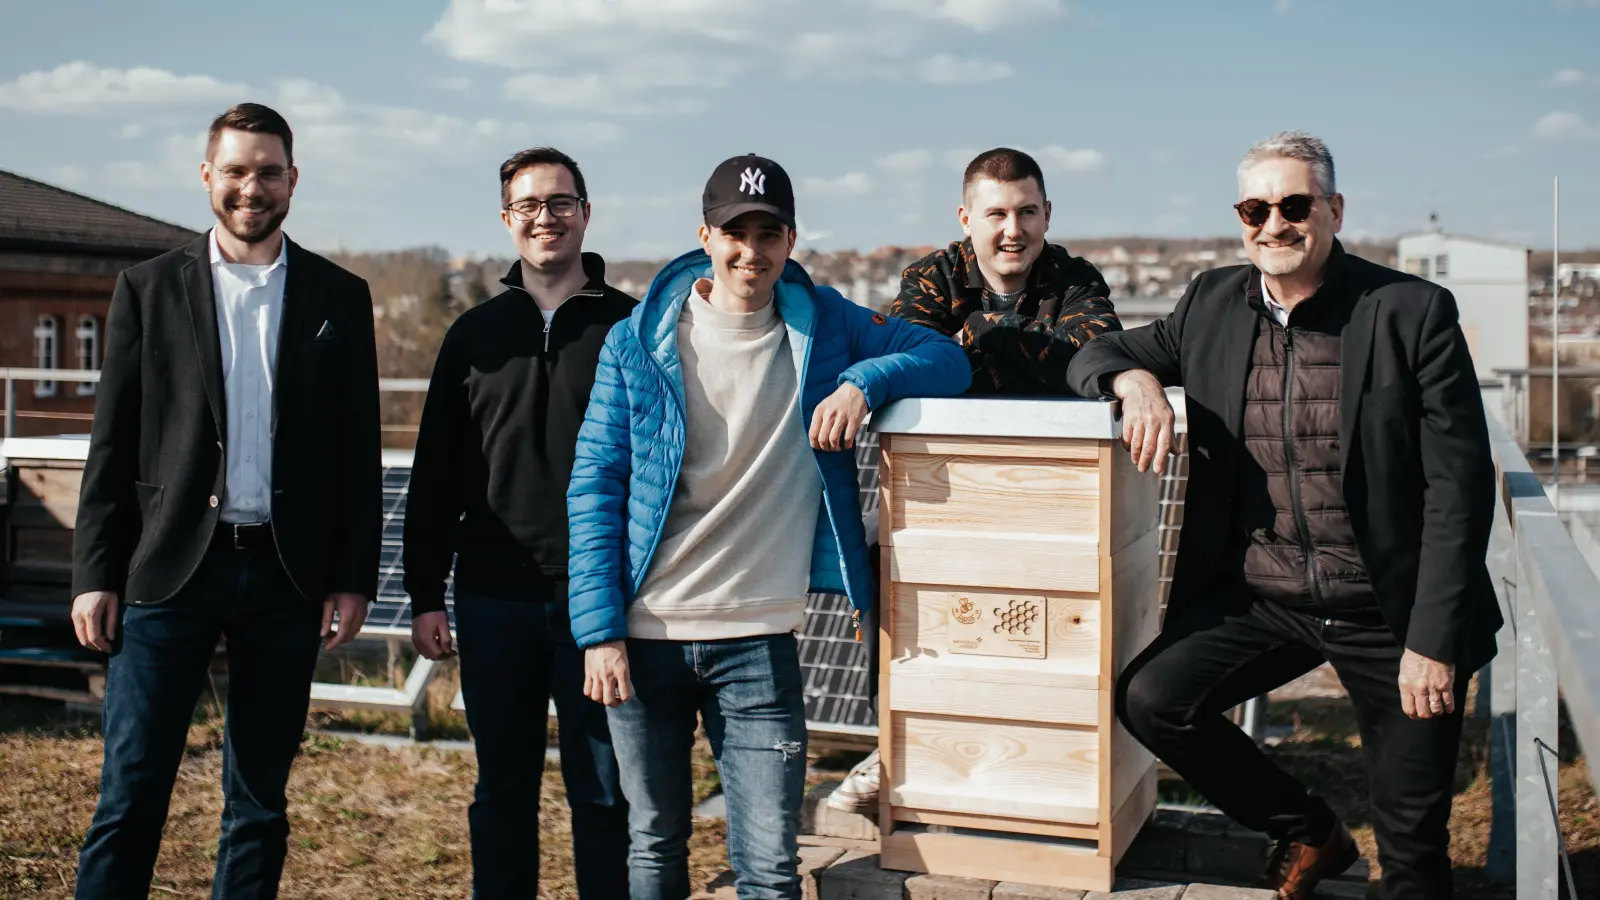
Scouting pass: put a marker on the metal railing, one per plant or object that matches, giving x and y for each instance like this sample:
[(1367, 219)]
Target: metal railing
[(11, 376), (1549, 652)]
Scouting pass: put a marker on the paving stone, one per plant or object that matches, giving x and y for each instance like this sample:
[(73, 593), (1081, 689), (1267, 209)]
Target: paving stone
[(1223, 892), (947, 887), (857, 876), (1161, 845), (1216, 852), (817, 817), (719, 888), (1008, 890), (1137, 889), (812, 861)]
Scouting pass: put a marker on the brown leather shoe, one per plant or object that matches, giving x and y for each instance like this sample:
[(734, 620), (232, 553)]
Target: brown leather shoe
[(1295, 869)]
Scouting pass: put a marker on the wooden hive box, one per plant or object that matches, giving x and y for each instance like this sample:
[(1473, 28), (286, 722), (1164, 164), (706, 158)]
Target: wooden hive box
[(1020, 575)]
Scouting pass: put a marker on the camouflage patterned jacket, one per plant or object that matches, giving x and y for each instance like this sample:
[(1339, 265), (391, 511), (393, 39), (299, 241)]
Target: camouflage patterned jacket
[(1023, 350)]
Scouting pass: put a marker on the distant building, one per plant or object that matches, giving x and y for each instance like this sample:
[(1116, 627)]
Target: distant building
[(1490, 282), (60, 254)]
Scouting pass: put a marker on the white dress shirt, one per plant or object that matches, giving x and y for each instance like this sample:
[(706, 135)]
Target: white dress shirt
[(1280, 313), (249, 308)]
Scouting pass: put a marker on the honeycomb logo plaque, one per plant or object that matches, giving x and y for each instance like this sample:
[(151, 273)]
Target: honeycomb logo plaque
[(1013, 626)]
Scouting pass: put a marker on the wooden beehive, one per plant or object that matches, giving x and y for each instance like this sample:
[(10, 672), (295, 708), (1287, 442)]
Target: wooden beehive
[(1021, 569)]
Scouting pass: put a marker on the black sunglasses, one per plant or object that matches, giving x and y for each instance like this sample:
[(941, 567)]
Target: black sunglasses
[(1294, 208)]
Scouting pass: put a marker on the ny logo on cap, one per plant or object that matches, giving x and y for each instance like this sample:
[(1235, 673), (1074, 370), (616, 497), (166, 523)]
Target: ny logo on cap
[(752, 182)]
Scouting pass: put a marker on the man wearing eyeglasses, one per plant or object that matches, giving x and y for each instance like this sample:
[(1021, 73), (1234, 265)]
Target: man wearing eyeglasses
[(1339, 502), (488, 488)]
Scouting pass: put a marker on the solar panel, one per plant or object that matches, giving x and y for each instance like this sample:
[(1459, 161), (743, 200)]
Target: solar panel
[(392, 608), (833, 663)]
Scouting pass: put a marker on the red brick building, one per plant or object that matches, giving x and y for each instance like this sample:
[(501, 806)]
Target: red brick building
[(60, 253)]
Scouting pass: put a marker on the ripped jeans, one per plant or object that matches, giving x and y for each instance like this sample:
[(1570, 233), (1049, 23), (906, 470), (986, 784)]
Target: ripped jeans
[(748, 691)]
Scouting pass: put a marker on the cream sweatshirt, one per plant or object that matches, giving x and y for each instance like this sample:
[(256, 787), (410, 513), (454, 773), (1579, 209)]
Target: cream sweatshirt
[(735, 555)]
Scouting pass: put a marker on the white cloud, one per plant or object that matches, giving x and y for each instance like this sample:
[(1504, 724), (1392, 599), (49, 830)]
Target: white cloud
[(130, 131), (175, 165), (453, 83), (300, 99), (84, 87), (68, 176), (946, 69), (1567, 78), (639, 57), (1060, 159), (1564, 126), (850, 184), (906, 163), (959, 158), (981, 15)]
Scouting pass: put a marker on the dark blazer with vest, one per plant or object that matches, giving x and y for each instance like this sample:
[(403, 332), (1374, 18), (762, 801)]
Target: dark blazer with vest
[(1417, 474), (154, 477)]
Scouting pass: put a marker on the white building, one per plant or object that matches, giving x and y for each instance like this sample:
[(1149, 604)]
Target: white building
[(1490, 282)]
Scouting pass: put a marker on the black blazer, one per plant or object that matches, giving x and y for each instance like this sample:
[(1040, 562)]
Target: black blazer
[(1418, 476), (154, 477)]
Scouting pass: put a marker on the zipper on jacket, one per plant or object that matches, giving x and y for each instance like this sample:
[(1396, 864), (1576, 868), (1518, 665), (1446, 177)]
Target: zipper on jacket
[(1292, 468), (547, 324)]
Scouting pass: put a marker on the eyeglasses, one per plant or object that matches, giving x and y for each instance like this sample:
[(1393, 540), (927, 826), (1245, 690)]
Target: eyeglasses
[(563, 205), (1294, 208)]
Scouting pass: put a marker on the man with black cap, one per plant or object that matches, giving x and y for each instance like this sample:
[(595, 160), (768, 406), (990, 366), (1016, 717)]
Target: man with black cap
[(701, 519)]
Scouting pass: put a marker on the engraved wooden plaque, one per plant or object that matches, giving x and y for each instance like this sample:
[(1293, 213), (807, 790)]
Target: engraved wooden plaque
[(1014, 626)]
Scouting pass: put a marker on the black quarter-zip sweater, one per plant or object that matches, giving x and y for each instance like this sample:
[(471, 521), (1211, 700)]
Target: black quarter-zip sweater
[(494, 452)]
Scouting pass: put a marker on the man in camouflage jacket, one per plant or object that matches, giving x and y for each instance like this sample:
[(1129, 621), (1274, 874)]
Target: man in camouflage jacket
[(1018, 305)]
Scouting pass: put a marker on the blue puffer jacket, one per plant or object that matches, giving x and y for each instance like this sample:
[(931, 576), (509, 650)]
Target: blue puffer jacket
[(630, 448)]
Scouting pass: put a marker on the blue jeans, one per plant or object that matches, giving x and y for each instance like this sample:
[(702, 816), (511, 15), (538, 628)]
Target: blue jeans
[(516, 655), (157, 670), (748, 691)]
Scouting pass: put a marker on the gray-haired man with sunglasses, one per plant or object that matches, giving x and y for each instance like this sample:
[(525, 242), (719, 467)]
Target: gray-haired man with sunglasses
[(1339, 501), (488, 489)]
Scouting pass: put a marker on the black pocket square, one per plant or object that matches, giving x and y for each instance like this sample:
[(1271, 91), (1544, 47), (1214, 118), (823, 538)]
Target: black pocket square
[(326, 332)]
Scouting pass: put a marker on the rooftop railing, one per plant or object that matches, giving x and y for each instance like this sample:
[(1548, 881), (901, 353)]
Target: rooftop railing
[(1549, 653)]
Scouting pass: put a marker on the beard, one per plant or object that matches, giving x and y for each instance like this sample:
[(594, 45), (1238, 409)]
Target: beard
[(253, 231)]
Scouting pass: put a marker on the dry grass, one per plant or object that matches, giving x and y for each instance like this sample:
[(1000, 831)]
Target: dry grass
[(366, 821)]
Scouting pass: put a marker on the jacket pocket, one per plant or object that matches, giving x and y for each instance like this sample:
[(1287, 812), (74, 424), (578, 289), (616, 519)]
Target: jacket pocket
[(148, 497)]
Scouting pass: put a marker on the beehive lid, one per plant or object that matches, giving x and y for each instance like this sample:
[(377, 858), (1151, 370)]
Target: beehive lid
[(1009, 417)]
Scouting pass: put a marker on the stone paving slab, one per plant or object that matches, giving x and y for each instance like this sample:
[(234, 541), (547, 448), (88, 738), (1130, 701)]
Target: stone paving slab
[(816, 817)]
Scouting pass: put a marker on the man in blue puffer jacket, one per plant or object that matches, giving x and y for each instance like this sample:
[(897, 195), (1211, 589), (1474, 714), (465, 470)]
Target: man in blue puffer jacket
[(700, 518)]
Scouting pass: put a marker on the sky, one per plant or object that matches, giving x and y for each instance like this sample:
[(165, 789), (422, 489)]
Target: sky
[(1138, 110)]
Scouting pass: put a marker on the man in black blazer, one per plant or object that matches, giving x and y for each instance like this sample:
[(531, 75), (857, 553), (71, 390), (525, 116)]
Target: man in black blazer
[(232, 491), (1339, 503)]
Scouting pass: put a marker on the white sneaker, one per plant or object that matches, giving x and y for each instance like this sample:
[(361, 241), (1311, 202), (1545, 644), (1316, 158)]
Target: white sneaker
[(858, 793)]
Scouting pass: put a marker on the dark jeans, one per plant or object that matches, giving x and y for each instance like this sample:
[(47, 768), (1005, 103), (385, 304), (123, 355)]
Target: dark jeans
[(748, 692), (158, 668), (1173, 696), (515, 656)]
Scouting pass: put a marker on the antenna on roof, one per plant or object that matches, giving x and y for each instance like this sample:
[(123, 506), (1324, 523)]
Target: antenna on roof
[(1433, 221)]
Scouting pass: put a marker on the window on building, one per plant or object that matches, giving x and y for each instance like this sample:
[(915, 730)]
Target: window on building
[(1441, 266), (88, 351), (1416, 265), (46, 352)]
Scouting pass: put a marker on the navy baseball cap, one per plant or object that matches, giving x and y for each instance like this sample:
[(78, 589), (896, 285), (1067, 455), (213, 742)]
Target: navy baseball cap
[(748, 183)]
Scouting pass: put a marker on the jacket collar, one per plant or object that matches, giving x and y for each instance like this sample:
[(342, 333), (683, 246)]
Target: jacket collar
[(655, 319), (1045, 268), (594, 268), (1333, 290)]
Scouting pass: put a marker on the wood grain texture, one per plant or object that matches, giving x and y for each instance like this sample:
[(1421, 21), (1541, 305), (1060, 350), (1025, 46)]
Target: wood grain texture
[(1011, 695), (1130, 819), (998, 859), (994, 768), (1002, 448), (919, 616), (45, 497), (1134, 499), (1066, 566), (969, 493), (1135, 597)]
